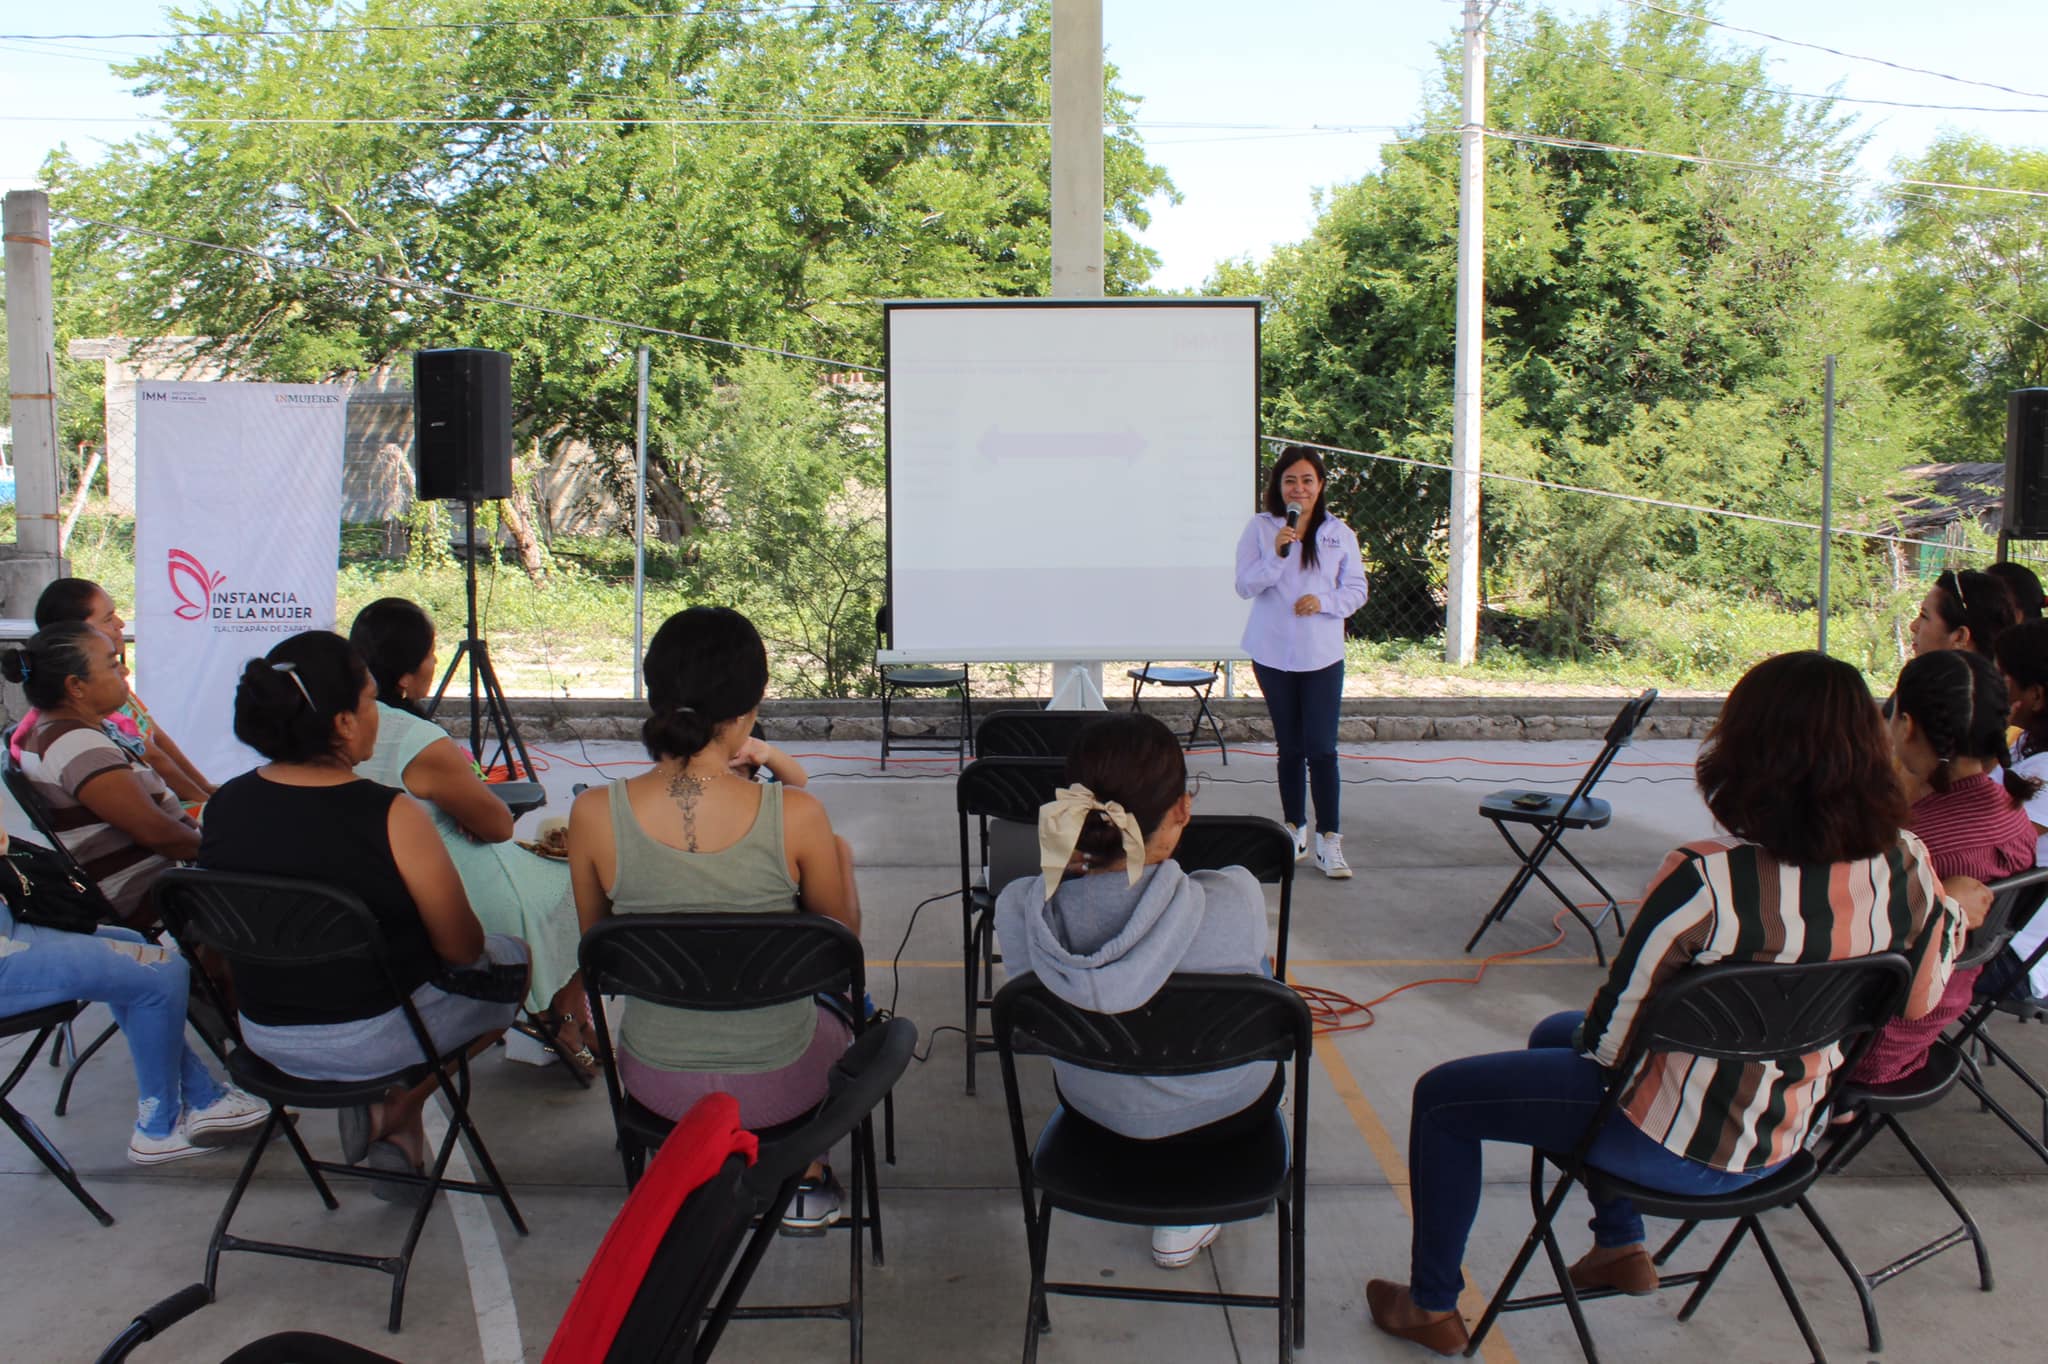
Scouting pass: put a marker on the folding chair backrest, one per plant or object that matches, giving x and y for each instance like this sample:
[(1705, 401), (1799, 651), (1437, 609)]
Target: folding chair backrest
[(722, 962), (1031, 733), (264, 921), (1197, 1023), (689, 1264), (1773, 1011), (1620, 734), (2014, 900), (1259, 845), (1009, 789)]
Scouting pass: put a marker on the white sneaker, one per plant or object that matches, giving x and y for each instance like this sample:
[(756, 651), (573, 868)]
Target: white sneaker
[(233, 1111), (818, 1203), (1300, 836), (1177, 1247), (1330, 857), (146, 1150)]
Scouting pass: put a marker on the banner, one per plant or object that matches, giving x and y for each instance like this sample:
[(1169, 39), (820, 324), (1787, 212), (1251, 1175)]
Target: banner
[(237, 538)]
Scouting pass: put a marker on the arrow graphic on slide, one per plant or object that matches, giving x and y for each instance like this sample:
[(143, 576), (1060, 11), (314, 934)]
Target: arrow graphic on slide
[(1126, 444)]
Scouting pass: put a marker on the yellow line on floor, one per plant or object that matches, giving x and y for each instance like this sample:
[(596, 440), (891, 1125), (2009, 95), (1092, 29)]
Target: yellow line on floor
[(1471, 1303)]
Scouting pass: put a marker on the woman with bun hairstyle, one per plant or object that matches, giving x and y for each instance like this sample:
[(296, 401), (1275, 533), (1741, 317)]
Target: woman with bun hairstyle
[(310, 707), (1113, 915), (1303, 580), (1947, 726), (110, 808), (510, 890), (1965, 610), (696, 833), (132, 726)]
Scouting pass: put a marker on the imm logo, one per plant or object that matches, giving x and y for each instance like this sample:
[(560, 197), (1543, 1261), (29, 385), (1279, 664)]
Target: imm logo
[(191, 584)]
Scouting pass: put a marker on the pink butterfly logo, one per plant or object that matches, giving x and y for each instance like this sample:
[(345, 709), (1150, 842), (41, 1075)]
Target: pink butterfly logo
[(192, 585)]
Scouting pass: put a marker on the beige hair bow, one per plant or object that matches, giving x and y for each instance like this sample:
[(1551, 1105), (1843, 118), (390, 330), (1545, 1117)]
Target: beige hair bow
[(1059, 829)]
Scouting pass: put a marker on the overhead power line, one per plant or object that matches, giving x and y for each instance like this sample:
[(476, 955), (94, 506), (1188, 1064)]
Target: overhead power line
[(449, 291), (1741, 87), (1580, 144), (1833, 51)]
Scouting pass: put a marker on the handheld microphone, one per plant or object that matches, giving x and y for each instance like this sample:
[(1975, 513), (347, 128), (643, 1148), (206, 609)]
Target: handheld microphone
[(1293, 520)]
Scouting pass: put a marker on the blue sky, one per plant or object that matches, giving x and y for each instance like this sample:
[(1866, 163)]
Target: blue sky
[(1272, 70)]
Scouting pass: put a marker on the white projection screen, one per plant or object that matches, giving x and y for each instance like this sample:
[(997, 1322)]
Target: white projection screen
[(1068, 479)]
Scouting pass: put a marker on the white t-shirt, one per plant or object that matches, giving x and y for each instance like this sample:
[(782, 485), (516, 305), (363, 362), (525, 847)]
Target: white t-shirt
[(2035, 930)]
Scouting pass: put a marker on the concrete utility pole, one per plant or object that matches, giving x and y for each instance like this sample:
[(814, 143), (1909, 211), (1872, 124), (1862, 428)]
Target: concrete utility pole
[(35, 559), (1077, 221), (1461, 610)]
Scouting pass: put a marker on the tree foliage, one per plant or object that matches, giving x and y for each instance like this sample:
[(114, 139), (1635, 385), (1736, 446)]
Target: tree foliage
[(1653, 326), (1968, 297)]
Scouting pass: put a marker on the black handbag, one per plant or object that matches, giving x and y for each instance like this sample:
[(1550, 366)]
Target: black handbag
[(40, 888)]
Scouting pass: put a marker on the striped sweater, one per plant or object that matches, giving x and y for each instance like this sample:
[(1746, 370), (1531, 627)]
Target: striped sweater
[(1727, 900)]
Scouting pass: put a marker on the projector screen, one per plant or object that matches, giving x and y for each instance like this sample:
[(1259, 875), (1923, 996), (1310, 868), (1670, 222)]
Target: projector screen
[(1068, 479)]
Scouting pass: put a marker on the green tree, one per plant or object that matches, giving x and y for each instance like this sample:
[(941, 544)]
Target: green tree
[(1967, 301), (1653, 326)]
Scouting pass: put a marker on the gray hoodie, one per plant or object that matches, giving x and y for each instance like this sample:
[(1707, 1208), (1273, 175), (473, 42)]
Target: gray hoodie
[(1105, 945)]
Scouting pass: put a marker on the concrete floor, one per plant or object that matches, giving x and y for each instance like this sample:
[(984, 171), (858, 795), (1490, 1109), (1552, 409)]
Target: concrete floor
[(954, 1285)]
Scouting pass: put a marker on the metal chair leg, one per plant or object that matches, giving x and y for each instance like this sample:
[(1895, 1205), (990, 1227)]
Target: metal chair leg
[(1858, 1280), (79, 1058), (1770, 1254)]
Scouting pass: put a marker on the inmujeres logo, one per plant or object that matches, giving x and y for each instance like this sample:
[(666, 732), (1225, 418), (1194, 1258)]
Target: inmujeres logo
[(192, 585)]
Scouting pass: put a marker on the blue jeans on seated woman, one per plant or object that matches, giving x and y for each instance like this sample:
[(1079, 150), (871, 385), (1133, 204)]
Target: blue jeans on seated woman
[(1542, 1097), (44, 966)]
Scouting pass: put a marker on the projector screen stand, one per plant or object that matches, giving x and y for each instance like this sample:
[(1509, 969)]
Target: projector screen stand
[(1077, 686)]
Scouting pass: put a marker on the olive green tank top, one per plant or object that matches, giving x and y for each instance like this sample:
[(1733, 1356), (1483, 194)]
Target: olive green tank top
[(751, 876)]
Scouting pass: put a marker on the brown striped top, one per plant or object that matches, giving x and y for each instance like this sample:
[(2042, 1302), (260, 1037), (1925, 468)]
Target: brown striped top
[(60, 757), (1728, 900)]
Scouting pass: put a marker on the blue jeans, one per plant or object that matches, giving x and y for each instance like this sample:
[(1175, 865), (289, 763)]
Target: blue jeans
[(148, 1002), (1304, 711), (1541, 1097)]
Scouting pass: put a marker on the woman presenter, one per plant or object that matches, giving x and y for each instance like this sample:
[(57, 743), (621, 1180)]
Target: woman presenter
[(1299, 567)]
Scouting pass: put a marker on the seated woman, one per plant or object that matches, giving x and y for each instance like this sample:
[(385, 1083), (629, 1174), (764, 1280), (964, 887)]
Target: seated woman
[(1798, 770), (143, 986), (111, 809), (1965, 610), (1113, 916), (695, 834), (310, 707), (2023, 663), (1948, 728), (510, 890), (132, 726)]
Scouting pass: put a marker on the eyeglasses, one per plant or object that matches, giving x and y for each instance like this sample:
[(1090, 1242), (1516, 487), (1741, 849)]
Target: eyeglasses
[(291, 670)]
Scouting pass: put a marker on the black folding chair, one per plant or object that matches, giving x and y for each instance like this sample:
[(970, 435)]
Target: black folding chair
[(31, 802), (259, 923), (1258, 844), (912, 680), (1000, 796), (1194, 1025), (1553, 816), (1751, 1012), (1878, 1108), (1198, 683), (672, 1316), (40, 1025), (1971, 1035), (1031, 733), (722, 963)]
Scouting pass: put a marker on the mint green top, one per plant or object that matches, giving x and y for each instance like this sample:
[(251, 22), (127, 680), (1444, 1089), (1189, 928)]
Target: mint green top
[(751, 876), (510, 890)]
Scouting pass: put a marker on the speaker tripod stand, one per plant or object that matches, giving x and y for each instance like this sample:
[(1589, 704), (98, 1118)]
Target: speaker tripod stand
[(486, 697)]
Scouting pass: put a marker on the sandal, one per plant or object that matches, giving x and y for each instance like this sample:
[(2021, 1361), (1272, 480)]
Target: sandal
[(551, 1025)]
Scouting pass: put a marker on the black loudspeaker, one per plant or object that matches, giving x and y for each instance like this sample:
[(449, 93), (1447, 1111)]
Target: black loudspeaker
[(462, 423), (2026, 464)]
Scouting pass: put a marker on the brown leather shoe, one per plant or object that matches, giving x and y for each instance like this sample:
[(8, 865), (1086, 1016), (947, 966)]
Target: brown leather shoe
[(1634, 1274), (1445, 1335)]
